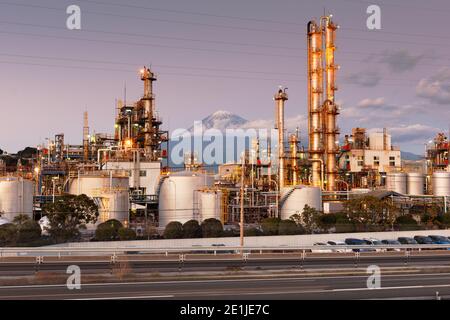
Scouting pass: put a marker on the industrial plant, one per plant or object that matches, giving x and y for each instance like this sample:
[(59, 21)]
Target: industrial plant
[(129, 175)]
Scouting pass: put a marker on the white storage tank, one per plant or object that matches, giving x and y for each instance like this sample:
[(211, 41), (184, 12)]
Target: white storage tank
[(294, 200), (109, 191), (397, 182), (176, 196), (441, 184), (210, 205), (16, 197), (416, 184)]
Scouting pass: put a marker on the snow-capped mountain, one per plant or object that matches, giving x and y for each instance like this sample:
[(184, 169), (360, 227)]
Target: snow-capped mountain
[(222, 120)]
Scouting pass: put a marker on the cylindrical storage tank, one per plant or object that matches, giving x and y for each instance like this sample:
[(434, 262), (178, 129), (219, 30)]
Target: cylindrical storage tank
[(294, 200), (176, 196), (397, 182), (441, 184), (16, 197), (210, 205), (90, 184), (416, 184), (110, 192)]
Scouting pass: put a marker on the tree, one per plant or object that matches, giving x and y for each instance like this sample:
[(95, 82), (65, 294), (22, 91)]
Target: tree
[(174, 230), (68, 214), (212, 228), (406, 223), (8, 234), (21, 219), (369, 212), (28, 232), (289, 227), (108, 230), (309, 218), (327, 221), (192, 230), (270, 226), (252, 232), (126, 234)]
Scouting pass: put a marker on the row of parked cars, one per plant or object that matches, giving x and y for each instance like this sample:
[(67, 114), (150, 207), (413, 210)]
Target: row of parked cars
[(373, 243)]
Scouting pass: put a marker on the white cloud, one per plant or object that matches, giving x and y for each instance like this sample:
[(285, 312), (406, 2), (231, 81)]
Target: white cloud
[(436, 89)]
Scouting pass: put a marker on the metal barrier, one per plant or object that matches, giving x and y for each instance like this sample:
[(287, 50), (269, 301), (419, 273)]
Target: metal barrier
[(60, 252)]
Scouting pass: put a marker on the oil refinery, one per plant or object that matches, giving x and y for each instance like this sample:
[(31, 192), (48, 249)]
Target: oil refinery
[(128, 173)]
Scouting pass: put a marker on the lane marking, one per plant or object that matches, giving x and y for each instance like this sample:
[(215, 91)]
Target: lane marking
[(310, 279), (124, 298)]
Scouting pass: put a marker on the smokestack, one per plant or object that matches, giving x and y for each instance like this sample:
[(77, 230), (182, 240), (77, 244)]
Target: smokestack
[(280, 99), (294, 150)]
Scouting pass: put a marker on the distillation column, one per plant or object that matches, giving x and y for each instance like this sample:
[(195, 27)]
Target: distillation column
[(315, 90), (330, 108), (280, 99), (293, 141), (148, 100), (85, 137)]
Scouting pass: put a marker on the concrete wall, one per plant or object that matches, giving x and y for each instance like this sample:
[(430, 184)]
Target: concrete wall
[(276, 241)]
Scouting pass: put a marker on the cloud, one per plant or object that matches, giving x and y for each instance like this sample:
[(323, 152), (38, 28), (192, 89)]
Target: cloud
[(291, 123), (400, 60), (364, 79), (412, 134), (378, 110), (436, 88)]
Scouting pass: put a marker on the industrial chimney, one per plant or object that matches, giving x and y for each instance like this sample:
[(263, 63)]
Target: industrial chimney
[(280, 99)]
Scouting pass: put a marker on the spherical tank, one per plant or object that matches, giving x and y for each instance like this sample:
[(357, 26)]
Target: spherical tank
[(176, 196), (294, 200), (416, 184), (397, 182), (441, 184), (16, 197), (210, 205)]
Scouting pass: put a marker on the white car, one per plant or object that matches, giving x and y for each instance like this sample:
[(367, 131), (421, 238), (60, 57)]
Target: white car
[(339, 243), (321, 250), (375, 243)]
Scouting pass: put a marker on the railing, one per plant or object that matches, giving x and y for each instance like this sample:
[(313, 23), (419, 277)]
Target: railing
[(340, 249)]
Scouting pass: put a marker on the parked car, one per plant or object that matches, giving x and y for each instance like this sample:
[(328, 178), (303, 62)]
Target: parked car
[(439, 239), (358, 242), (321, 250), (374, 242), (423, 240), (406, 240), (339, 243), (392, 243)]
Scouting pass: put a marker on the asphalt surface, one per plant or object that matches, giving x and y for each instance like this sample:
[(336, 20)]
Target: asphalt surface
[(142, 264), (401, 287)]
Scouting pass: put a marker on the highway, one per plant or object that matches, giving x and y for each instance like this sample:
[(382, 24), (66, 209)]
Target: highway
[(206, 263), (401, 287), (258, 285)]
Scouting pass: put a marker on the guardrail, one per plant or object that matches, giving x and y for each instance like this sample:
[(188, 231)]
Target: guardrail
[(52, 251)]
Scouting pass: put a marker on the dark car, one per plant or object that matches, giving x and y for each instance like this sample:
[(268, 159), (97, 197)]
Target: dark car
[(392, 243), (406, 240), (357, 242), (439, 239), (423, 240)]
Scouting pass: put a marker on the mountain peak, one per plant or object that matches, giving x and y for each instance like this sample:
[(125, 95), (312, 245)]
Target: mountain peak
[(222, 120)]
